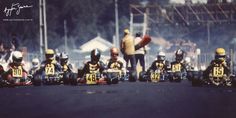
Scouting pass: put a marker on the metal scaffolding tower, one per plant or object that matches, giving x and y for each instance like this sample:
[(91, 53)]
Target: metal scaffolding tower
[(43, 26), (152, 15), (187, 14)]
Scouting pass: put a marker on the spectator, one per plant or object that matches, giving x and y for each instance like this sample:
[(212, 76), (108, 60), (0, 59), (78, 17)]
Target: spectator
[(127, 47), (140, 53)]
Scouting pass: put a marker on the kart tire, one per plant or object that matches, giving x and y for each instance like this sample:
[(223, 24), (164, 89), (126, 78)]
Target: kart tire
[(73, 79), (142, 76), (233, 82), (189, 75), (132, 76), (37, 80), (171, 78), (66, 77), (115, 81), (80, 73), (178, 79), (108, 81), (1, 83)]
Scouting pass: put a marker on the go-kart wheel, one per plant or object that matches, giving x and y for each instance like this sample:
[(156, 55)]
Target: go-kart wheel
[(115, 81), (178, 79), (65, 79), (132, 76), (73, 79), (37, 80), (109, 81), (233, 79), (142, 76)]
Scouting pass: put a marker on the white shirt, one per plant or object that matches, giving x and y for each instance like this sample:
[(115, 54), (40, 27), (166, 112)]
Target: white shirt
[(140, 50)]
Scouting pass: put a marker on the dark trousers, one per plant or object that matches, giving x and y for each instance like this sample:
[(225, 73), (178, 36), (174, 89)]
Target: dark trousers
[(140, 58), (130, 58)]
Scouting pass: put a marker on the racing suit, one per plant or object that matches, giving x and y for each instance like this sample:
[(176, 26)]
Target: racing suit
[(181, 69), (67, 68), (209, 72), (158, 65), (15, 70), (67, 73), (57, 66), (91, 67), (117, 68), (178, 69), (114, 64)]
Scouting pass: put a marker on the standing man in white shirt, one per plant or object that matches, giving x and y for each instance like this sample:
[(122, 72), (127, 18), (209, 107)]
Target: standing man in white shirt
[(140, 53)]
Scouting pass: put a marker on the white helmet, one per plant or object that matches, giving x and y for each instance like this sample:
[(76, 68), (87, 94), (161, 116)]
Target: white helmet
[(35, 62), (187, 59), (161, 56), (64, 57), (17, 57)]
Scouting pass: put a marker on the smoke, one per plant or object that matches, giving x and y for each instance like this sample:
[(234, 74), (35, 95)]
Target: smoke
[(162, 42)]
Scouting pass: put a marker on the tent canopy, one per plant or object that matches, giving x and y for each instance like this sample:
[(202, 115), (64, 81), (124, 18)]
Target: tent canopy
[(96, 42)]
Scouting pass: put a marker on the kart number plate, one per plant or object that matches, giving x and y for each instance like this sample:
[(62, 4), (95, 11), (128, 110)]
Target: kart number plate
[(176, 68), (218, 71), (155, 77), (49, 69), (17, 72), (91, 79)]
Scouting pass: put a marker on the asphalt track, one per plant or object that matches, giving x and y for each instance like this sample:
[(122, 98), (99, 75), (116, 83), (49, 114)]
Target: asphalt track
[(124, 100)]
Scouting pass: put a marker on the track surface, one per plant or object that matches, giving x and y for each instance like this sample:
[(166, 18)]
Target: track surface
[(124, 100)]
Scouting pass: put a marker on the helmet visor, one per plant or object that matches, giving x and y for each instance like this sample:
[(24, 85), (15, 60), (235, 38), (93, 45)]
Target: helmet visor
[(49, 56), (220, 57), (19, 60), (63, 60), (161, 58)]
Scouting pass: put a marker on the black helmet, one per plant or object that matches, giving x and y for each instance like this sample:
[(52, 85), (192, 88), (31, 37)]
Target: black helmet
[(179, 55), (95, 55)]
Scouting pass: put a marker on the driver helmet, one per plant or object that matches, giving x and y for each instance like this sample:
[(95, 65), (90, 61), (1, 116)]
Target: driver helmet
[(220, 54), (179, 55), (95, 55), (49, 54), (161, 56), (35, 62), (17, 57), (64, 58)]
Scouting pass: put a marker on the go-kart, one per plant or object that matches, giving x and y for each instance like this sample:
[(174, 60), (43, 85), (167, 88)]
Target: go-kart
[(153, 76), (113, 76), (175, 73), (92, 78), (49, 76), (156, 76), (15, 76), (216, 77)]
